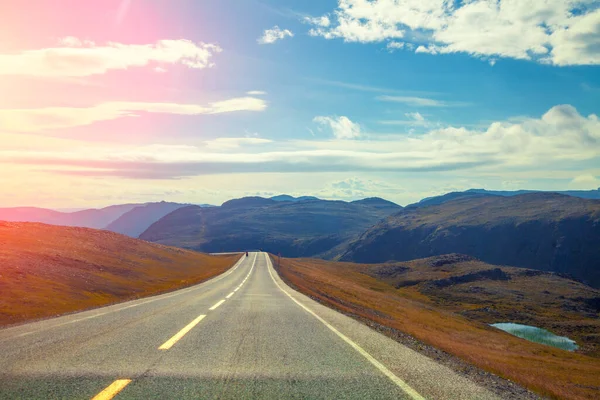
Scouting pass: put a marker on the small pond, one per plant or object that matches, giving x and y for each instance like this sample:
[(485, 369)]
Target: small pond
[(537, 335)]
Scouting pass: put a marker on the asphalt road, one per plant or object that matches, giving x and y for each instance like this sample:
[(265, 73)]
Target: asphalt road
[(243, 334)]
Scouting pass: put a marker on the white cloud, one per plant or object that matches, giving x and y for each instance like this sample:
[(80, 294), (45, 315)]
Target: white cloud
[(323, 21), (393, 46), (72, 41), (431, 49), (256, 93), (353, 29), (82, 58), (415, 116), (585, 181), (341, 127), (414, 119), (358, 188), (39, 119), (274, 34), (560, 142), (234, 143), (421, 101), (560, 32)]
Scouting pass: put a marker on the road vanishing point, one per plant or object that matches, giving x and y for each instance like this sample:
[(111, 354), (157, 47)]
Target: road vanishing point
[(241, 335)]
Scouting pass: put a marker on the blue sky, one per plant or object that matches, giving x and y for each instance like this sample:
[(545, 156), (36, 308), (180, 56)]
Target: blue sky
[(402, 99)]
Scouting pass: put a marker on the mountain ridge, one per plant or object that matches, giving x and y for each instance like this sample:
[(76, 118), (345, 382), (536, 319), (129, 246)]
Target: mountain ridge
[(291, 228), (544, 231)]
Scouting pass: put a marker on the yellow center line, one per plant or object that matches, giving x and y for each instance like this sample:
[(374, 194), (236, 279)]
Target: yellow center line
[(169, 343), (229, 295), (112, 390), (217, 305)]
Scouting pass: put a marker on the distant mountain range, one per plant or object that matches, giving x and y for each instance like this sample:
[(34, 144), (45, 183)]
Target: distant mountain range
[(584, 194), (544, 231), (129, 219), (92, 218), (294, 228), (138, 219), (540, 230)]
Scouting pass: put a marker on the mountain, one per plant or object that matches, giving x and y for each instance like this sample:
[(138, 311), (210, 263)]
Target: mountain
[(92, 218), (137, 220), (305, 228), (60, 269), (247, 202), (286, 197), (544, 231), (431, 201), (427, 201), (584, 194), (377, 202)]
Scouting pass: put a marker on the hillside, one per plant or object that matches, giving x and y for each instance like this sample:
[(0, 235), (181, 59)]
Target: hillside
[(447, 303), (64, 269), (287, 197), (137, 220), (543, 231), (305, 228), (377, 202), (584, 194), (91, 218), (432, 201)]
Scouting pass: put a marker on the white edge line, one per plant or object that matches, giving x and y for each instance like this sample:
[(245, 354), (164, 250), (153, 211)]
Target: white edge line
[(399, 382), (217, 305), (229, 295)]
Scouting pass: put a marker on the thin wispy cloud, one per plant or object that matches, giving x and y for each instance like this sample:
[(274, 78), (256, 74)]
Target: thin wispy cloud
[(77, 57), (369, 88), (40, 119), (421, 101)]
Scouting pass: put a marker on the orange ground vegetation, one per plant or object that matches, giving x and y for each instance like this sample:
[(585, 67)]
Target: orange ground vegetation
[(546, 370), (48, 270)]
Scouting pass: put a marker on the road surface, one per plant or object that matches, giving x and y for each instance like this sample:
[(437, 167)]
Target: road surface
[(243, 334)]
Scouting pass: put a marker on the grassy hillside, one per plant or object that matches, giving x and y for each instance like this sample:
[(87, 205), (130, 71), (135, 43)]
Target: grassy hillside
[(303, 228), (48, 270), (549, 232), (448, 302)]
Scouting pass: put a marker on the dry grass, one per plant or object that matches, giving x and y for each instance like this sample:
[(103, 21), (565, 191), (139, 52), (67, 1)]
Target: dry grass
[(48, 270), (347, 287)]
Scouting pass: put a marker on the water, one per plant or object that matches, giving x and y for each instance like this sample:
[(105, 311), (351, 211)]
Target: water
[(538, 335)]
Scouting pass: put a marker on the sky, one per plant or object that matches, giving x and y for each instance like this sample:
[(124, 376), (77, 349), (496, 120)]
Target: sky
[(189, 101)]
